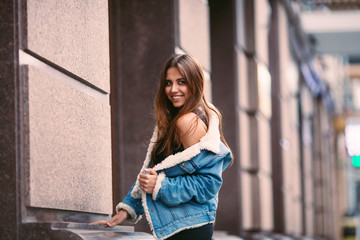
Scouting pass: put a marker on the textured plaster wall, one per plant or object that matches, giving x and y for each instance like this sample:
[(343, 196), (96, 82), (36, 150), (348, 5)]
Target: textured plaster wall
[(69, 122), (73, 35), (194, 30), (70, 166)]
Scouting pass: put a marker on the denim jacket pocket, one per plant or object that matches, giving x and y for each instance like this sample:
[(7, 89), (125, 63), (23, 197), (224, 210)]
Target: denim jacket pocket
[(189, 166)]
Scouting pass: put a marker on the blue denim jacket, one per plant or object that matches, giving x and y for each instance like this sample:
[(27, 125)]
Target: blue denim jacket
[(186, 192)]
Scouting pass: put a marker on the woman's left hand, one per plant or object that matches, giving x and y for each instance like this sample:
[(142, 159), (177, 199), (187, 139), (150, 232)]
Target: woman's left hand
[(148, 180)]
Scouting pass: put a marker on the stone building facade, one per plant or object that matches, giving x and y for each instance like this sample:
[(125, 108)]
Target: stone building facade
[(78, 80)]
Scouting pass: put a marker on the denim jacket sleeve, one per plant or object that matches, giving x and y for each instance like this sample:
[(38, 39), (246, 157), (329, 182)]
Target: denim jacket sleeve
[(133, 206), (200, 184)]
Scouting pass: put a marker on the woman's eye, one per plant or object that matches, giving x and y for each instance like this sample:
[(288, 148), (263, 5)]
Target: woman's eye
[(167, 83), (182, 82)]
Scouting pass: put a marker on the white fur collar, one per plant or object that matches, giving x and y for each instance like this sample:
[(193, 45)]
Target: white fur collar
[(211, 142)]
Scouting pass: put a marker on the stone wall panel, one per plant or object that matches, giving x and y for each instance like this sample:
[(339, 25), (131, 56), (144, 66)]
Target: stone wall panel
[(73, 35), (194, 30), (70, 147)]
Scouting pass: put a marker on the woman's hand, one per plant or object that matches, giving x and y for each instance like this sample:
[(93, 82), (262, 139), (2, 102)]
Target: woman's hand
[(148, 181), (117, 219)]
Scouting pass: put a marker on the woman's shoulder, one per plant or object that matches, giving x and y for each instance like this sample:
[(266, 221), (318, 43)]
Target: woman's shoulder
[(193, 116), (186, 120), (189, 121), (191, 129)]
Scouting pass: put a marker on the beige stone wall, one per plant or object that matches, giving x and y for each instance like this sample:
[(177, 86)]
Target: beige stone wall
[(73, 35), (307, 114), (194, 35), (69, 109), (254, 114), (290, 134)]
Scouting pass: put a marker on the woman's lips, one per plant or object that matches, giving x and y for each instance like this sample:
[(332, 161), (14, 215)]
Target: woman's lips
[(176, 98)]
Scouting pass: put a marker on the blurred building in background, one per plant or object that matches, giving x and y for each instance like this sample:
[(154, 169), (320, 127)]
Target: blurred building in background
[(334, 29), (78, 80)]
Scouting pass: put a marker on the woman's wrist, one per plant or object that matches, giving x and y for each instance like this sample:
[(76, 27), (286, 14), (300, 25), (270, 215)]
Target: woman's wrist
[(123, 213)]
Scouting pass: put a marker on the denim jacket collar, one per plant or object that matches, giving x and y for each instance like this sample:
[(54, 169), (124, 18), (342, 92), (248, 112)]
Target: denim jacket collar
[(211, 142)]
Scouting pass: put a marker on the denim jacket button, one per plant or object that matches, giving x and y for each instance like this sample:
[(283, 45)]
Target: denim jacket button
[(161, 232), (184, 164), (152, 210)]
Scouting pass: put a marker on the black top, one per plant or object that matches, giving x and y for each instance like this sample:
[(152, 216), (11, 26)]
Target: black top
[(201, 115)]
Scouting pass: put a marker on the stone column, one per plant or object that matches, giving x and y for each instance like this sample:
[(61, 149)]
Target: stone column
[(9, 121), (307, 116), (254, 104), (276, 151), (143, 37), (224, 85)]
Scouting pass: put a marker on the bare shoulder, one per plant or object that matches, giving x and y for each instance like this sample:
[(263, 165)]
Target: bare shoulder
[(186, 121), (191, 129)]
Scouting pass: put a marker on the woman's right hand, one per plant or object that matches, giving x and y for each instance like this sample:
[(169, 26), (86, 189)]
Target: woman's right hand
[(117, 219)]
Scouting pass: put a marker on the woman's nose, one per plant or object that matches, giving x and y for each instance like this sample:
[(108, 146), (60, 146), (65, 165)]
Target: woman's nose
[(174, 88)]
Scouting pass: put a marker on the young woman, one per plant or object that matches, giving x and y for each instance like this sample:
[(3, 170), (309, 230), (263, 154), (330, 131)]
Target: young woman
[(178, 185)]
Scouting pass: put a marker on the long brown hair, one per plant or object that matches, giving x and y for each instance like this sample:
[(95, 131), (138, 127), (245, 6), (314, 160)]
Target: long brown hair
[(167, 115)]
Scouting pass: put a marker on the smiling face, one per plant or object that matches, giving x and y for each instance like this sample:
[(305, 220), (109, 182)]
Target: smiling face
[(176, 88)]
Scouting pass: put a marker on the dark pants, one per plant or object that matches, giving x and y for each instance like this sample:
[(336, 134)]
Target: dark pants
[(201, 233)]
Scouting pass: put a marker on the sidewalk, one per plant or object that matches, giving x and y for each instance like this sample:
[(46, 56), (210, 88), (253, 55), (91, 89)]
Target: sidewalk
[(222, 235)]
